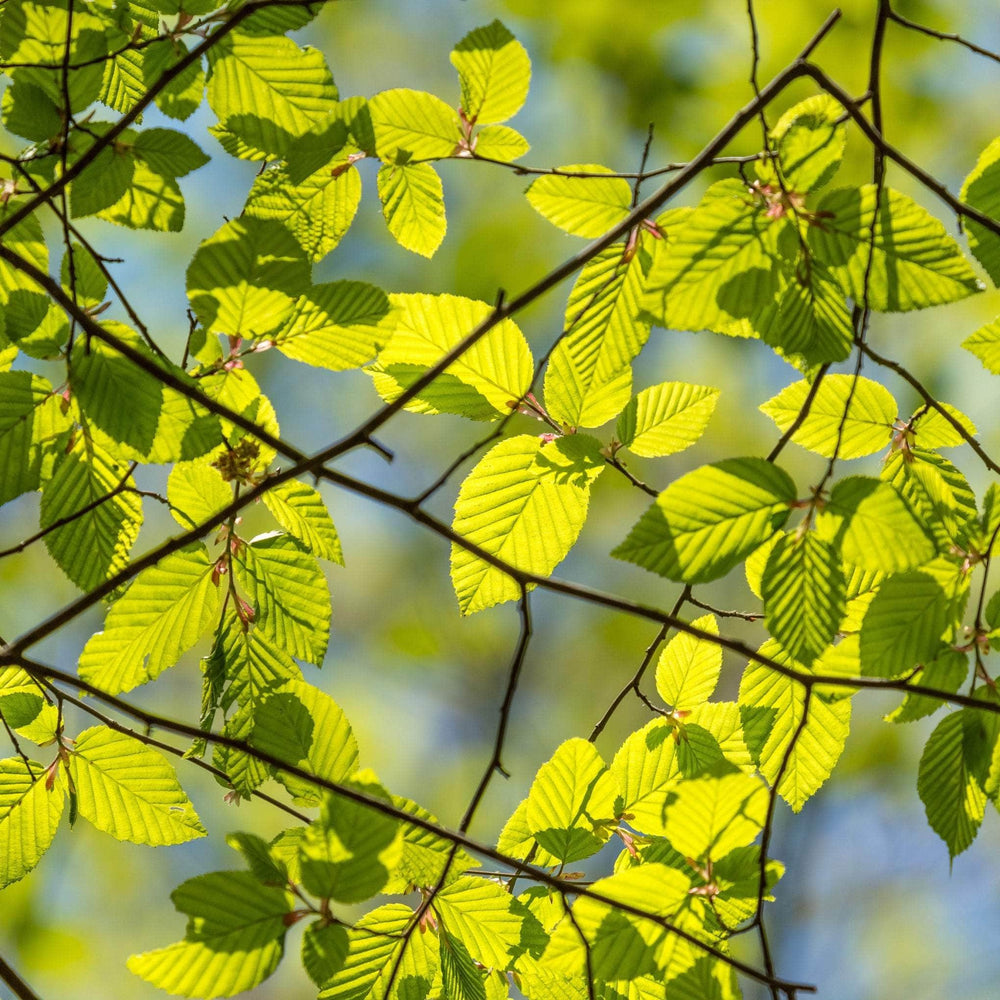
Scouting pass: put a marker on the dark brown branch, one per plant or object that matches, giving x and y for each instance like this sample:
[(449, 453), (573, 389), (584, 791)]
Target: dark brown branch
[(18, 987), (943, 36)]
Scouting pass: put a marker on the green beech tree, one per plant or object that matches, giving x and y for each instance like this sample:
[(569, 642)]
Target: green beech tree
[(861, 582)]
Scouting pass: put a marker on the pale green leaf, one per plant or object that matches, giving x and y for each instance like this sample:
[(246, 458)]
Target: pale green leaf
[(494, 71), (985, 345), (151, 201), (874, 527), (324, 948), (866, 428), (478, 913), (130, 790), (196, 492), (709, 520), (810, 139), (288, 592), (318, 210), (499, 142), (904, 625), (267, 91), (772, 707), (234, 938), (415, 123), (300, 510), (931, 429), (93, 545), (168, 152), (804, 595), (245, 279), (914, 262), (337, 325), (666, 418), (22, 396), (516, 839), (688, 669), (29, 816), (483, 384), (582, 206), (710, 816), (460, 977), (571, 805), (412, 199), (589, 376), (946, 672), (425, 854), (982, 191), (525, 503), (161, 616), (301, 725)]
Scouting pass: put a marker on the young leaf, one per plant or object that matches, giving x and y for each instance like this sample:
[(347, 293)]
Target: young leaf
[(582, 206), (946, 672), (29, 815), (904, 625), (196, 492), (525, 502), (499, 142), (688, 669), (772, 706), (810, 140), (589, 376), (234, 939), (414, 123), (337, 325), (666, 418), (571, 805), (479, 914), (483, 384), (803, 590), (914, 262), (300, 725), (426, 857), (129, 790), (866, 428), (709, 520), (494, 70), (950, 778), (288, 593), (300, 510), (982, 191), (160, 617), (985, 345), (324, 948), (460, 977), (412, 199), (22, 396)]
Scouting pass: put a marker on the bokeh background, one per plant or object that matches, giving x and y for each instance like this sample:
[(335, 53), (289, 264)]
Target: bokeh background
[(870, 906)]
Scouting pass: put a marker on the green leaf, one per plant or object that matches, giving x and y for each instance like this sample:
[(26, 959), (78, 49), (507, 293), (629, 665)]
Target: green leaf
[(804, 592), (425, 854), (460, 977), (688, 669), (288, 89), (414, 123), (772, 706), (234, 938), (931, 429), (29, 816), (479, 914), (91, 282), (494, 71), (288, 592), (946, 672), (324, 948), (111, 176), (22, 397), (350, 851), (710, 816), (571, 805), (951, 776), (525, 503), (152, 201), (499, 142), (810, 140), (914, 262), (719, 267), (582, 206), (589, 377), (245, 279), (412, 199), (196, 492), (483, 384), (985, 345), (866, 428), (129, 790), (28, 111), (256, 852), (300, 510), (874, 527), (161, 616), (981, 190), (709, 520), (182, 96), (904, 625), (666, 418), (168, 152), (517, 841), (94, 545), (317, 210), (303, 726)]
